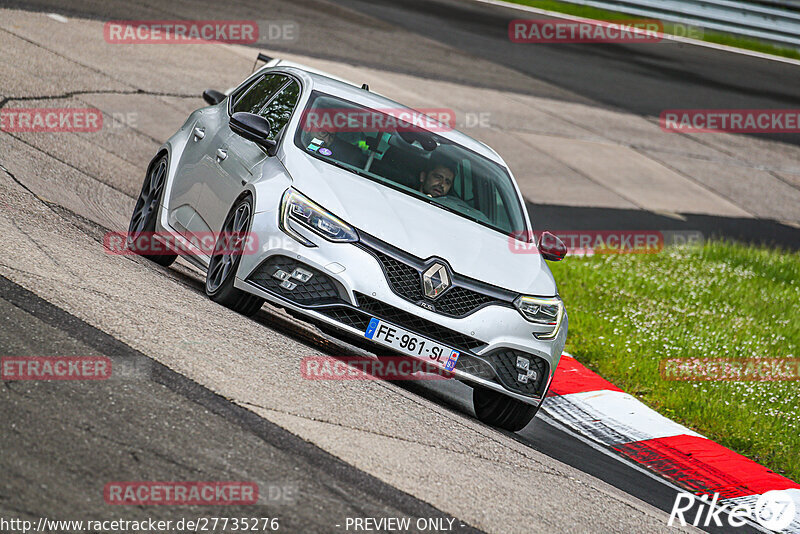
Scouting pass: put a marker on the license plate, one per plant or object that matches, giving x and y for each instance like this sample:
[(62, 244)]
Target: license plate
[(411, 344)]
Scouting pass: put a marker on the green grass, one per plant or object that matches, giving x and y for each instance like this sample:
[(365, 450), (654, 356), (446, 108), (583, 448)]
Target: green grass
[(627, 312), (705, 35)]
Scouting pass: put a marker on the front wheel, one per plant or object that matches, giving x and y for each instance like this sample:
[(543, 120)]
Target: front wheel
[(225, 261), (143, 220), (496, 409)]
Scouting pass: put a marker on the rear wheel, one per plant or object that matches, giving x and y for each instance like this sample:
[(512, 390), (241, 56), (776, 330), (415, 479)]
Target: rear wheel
[(225, 261), (143, 220), (496, 409)]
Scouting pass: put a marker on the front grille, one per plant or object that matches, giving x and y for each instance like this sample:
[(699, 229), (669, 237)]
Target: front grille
[(404, 274), (320, 289), (416, 324), (348, 316), (459, 301), (404, 279), (505, 363)]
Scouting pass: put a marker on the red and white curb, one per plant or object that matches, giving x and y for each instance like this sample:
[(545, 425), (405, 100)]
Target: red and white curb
[(600, 411)]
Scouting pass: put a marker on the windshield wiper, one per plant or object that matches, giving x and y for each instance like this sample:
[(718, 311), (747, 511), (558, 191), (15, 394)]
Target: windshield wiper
[(430, 200)]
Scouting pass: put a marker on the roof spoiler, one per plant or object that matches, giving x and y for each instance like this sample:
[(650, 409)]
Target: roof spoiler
[(261, 57)]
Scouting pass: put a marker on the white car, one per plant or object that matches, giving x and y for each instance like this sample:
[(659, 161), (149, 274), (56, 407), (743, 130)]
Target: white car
[(371, 227)]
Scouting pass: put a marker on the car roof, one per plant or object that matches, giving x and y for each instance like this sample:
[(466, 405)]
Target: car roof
[(327, 83)]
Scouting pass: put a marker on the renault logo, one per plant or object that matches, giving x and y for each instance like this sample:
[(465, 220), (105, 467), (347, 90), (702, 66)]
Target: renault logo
[(435, 280)]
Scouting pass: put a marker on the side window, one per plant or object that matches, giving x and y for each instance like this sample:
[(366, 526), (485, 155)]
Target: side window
[(280, 109), (258, 94)]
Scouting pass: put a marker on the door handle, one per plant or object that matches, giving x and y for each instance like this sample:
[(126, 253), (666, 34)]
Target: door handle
[(199, 133), (221, 154)]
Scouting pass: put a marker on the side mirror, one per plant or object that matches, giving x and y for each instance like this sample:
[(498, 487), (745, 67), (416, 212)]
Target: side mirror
[(254, 128), (551, 247), (213, 97)]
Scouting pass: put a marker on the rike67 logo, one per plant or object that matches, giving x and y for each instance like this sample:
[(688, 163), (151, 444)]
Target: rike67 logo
[(775, 510)]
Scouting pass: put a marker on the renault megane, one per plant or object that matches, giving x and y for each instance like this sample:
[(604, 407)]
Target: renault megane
[(373, 220)]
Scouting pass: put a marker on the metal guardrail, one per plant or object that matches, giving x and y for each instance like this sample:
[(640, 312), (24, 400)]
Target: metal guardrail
[(747, 19)]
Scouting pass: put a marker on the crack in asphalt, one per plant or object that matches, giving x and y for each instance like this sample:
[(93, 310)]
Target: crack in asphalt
[(38, 246), (52, 206), (91, 139), (89, 67), (71, 166), (25, 187)]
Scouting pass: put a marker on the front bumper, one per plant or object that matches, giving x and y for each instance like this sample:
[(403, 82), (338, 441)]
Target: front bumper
[(350, 285)]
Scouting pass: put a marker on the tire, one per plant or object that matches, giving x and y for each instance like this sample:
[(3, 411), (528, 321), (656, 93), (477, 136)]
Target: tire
[(145, 213), (225, 261), (496, 409)]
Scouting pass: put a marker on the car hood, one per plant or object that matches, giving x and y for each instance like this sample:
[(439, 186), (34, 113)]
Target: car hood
[(420, 228)]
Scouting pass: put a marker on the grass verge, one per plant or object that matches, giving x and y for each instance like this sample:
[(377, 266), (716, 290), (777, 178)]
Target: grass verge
[(721, 300), (708, 36)]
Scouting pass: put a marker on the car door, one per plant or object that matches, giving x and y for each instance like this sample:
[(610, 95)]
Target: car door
[(239, 160), (198, 166), (194, 167)]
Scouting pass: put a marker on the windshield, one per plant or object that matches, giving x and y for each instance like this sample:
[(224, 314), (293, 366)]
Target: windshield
[(400, 149)]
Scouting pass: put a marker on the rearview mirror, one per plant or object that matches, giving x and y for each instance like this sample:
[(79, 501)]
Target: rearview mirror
[(551, 247), (213, 97), (254, 128)]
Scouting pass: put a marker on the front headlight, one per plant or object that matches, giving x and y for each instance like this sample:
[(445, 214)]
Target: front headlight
[(297, 208), (546, 313)]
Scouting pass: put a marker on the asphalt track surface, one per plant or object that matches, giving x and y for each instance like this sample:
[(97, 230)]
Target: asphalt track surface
[(168, 427), (63, 440)]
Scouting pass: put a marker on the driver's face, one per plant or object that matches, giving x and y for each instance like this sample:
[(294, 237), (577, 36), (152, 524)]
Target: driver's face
[(436, 182)]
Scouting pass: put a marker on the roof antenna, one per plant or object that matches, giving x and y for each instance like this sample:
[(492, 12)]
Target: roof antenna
[(365, 87)]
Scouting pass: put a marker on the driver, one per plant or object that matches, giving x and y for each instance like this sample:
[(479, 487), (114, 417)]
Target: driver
[(436, 181), (437, 178)]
